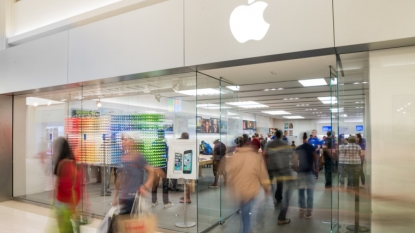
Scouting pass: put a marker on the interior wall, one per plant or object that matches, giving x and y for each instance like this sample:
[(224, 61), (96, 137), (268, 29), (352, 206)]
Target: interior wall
[(392, 96), (358, 22), (6, 147)]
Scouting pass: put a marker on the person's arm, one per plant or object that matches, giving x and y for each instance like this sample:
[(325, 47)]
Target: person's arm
[(117, 188), (318, 147), (264, 177), (295, 162), (146, 187), (316, 163)]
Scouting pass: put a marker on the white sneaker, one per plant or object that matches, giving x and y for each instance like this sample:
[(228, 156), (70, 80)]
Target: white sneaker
[(154, 204), (168, 205)]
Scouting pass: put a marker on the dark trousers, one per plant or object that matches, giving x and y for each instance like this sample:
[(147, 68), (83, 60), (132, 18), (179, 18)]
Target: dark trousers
[(353, 173), (279, 186), (161, 174), (328, 171)]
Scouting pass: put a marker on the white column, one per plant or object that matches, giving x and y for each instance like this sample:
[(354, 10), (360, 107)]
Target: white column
[(5, 21)]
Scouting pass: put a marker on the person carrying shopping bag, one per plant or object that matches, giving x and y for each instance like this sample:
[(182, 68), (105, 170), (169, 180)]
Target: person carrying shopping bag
[(130, 181)]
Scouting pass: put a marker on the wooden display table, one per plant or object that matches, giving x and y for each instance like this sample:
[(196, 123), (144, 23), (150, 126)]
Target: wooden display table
[(204, 160)]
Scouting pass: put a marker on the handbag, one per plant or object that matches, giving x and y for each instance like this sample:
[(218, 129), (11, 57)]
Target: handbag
[(140, 220)]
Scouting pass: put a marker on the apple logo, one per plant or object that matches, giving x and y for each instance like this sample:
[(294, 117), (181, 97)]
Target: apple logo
[(247, 22)]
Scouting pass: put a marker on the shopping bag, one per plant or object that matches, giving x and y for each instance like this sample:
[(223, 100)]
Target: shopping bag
[(141, 220), (103, 226)]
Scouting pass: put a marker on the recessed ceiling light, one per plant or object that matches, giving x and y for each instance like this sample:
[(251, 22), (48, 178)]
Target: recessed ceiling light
[(233, 88), (297, 105), (328, 100), (313, 82), (266, 90), (248, 104), (356, 83), (296, 98), (285, 99), (276, 112), (293, 117), (280, 88), (291, 99), (365, 82), (273, 89), (205, 91)]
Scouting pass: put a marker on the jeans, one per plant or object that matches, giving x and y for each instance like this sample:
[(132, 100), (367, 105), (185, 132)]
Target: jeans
[(288, 190), (342, 173), (126, 205), (362, 175), (246, 216), (276, 187), (306, 183), (161, 174), (328, 171), (105, 179)]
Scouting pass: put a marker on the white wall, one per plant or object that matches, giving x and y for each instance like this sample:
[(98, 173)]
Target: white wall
[(358, 22), (294, 26), (33, 14), (392, 81)]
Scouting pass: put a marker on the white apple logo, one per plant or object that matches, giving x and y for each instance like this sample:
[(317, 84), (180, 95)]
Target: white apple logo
[(247, 22)]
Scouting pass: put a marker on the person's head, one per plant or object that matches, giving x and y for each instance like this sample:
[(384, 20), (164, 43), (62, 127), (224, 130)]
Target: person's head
[(255, 144), (245, 139), (278, 134), (185, 135), (216, 141), (328, 133), (352, 139), (61, 151), (304, 137), (314, 133), (285, 133), (292, 143), (256, 135), (359, 138)]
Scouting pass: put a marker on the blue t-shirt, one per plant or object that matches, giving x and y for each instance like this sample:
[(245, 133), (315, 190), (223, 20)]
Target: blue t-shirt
[(315, 142), (285, 139), (363, 144), (132, 176)]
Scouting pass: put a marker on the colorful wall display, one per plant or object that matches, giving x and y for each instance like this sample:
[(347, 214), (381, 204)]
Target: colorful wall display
[(248, 125), (98, 140)]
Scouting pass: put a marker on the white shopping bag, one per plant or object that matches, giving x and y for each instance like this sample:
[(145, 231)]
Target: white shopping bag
[(103, 226)]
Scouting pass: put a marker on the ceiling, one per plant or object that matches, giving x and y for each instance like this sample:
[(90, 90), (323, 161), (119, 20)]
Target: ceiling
[(257, 83)]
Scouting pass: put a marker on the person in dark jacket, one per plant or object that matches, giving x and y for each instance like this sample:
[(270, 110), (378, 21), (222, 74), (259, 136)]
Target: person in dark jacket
[(279, 155), (219, 152)]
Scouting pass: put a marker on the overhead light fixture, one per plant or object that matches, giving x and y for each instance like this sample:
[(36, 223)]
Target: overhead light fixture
[(276, 112), (343, 115), (176, 87), (248, 104), (35, 104), (63, 100), (293, 117), (99, 104), (313, 82), (158, 97), (365, 82), (233, 88), (356, 83), (266, 90), (337, 110), (328, 100), (232, 114), (205, 91), (273, 89), (49, 103), (212, 106), (280, 89)]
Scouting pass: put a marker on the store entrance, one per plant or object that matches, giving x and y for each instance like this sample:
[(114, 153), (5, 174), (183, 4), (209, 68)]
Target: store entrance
[(322, 96)]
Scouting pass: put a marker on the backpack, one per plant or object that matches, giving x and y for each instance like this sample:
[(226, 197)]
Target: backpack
[(207, 149)]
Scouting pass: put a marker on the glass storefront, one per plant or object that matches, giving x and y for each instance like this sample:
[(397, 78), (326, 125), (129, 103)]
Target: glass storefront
[(96, 118)]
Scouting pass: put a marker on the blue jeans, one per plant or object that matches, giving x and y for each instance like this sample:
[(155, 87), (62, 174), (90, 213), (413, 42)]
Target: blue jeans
[(287, 193), (306, 183), (246, 209)]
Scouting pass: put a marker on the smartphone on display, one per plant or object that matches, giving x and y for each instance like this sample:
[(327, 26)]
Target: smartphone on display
[(187, 159), (178, 163)]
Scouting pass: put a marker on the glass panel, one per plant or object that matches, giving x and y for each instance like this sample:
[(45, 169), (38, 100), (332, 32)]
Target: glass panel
[(333, 146), (353, 90), (229, 131), (209, 186)]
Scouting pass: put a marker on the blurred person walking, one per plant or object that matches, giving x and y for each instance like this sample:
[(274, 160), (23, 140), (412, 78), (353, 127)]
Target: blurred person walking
[(130, 178), (276, 184), (247, 175), (280, 155), (306, 164), (219, 152), (351, 158), (362, 143), (68, 186)]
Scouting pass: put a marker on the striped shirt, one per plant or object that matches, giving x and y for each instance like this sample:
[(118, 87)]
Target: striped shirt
[(350, 154)]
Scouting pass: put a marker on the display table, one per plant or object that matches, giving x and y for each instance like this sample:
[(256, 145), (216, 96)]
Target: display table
[(204, 160)]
